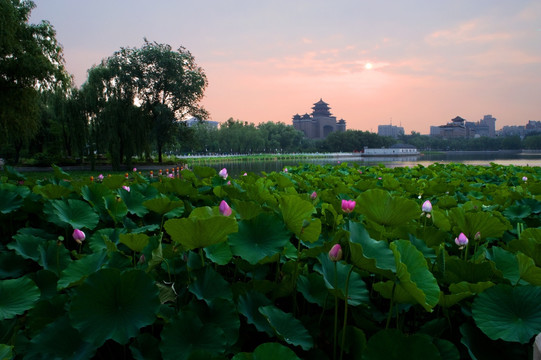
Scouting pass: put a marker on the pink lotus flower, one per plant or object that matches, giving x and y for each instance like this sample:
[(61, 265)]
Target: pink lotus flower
[(225, 210), (134, 169), (335, 254), (171, 176), (245, 174), (100, 177), (223, 173), (313, 195), (348, 205), (524, 178), (127, 188), (285, 170), (427, 206), (461, 241), (78, 236)]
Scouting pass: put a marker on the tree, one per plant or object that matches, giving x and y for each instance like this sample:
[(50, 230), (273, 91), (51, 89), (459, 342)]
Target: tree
[(154, 85), (169, 86), (31, 61)]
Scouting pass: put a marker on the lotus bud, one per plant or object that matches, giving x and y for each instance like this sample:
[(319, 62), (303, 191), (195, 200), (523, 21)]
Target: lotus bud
[(223, 173), (427, 206), (285, 170), (461, 240), (313, 195), (134, 169), (100, 177), (78, 236), (127, 188), (477, 236), (335, 254), (225, 210), (348, 206), (524, 178)]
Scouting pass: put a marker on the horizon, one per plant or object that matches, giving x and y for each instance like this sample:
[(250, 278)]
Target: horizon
[(417, 64)]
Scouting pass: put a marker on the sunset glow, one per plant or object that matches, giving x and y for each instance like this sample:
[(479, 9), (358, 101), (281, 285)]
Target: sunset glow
[(420, 63)]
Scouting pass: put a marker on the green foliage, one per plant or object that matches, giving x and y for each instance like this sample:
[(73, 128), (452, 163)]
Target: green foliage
[(163, 274)]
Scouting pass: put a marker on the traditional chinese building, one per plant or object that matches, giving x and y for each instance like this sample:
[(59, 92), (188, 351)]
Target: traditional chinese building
[(320, 124)]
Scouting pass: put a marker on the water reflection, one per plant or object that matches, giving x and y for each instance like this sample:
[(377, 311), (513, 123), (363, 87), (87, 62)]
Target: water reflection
[(238, 167)]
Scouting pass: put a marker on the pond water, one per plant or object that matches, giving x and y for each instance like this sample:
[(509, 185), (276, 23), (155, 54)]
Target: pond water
[(238, 167)]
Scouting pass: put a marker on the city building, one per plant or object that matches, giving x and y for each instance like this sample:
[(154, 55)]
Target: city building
[(459, 127), (193, 120), (320, 123), (390, 130)]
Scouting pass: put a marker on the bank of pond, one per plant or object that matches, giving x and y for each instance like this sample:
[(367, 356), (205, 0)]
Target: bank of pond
[(334, 261)]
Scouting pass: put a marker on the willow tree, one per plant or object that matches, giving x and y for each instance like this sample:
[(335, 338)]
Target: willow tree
[(117, 123), (169, 87), (31, 61), (155, 82)]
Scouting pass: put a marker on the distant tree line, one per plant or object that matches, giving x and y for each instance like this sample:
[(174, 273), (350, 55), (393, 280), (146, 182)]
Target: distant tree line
[(131, 104)]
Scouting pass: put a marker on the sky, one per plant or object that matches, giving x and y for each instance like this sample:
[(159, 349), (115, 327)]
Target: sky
[(412, 63)]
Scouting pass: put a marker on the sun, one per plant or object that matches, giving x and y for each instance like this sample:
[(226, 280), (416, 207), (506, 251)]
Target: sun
[(368, 66)]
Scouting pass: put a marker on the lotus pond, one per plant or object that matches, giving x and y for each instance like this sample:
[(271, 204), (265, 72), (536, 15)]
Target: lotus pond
[(316, 262)]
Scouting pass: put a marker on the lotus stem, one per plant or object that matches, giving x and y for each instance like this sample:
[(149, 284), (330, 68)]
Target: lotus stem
[(390, 307), (345, 314), (335, 310)]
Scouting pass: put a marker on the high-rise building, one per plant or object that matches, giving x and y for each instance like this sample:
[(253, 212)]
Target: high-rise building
[(390, 130), (320, 124)]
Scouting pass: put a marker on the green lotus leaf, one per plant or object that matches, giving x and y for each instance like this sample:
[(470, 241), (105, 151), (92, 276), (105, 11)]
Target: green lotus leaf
[(518, 269), (162, 204), (464, 286), (223, 314), (75, 213), (528, 271), (509, 313), (146, 347), (529, 244), (480, 347), (28, 241), (111, 304), (17, 296), (136, 242), (295, 211), (312, 287), (181, 187), (186, 333), (94, 194), (46, 344), (134, 202), (370, 254), (414, 275), (272, 351), (247, 209), (193, 232), (393, 344), (6, 352), (53, 191), (220, 253), (203, 172), (9, 201), (457, 270), (53, 257), (59, 173), (398, 294), (448, 300), (287, 327), (336, 280), (12, 265), (486, 223), (517, 211), (79, 269), (382, 208), (262, 236), (210, 285), (249, 304), (448, 350), (115, 207), (114, 181)]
